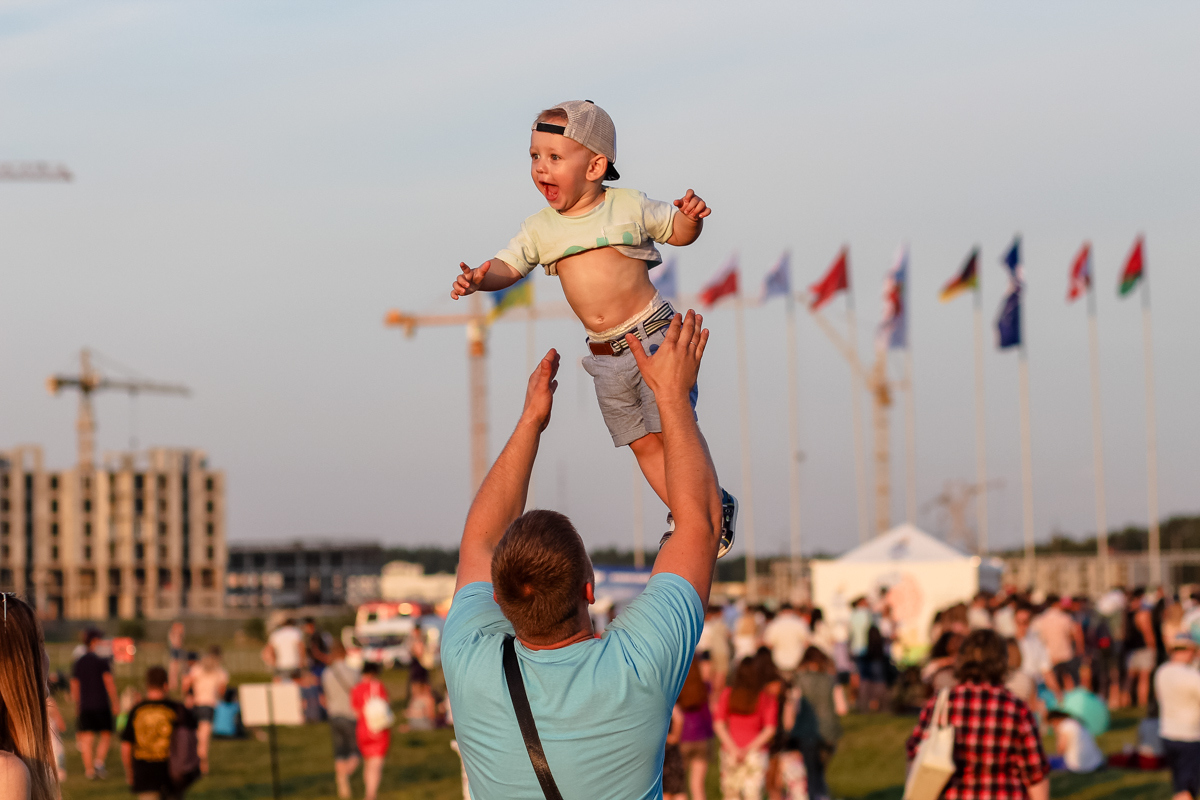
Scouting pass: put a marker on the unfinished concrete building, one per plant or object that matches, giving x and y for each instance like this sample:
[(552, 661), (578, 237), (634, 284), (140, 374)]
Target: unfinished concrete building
[(142, 535)]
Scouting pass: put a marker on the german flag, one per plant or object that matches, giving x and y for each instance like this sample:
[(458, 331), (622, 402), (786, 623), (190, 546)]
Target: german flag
[(967, 278)]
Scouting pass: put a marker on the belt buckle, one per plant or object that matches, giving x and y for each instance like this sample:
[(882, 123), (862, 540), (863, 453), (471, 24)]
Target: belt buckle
[(601, 348)]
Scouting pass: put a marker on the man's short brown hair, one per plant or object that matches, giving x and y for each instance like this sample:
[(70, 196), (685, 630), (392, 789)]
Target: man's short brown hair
[(539, 570)]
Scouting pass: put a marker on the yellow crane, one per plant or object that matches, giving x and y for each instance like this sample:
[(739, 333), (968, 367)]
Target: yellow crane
[(90, 380), (477, 325)]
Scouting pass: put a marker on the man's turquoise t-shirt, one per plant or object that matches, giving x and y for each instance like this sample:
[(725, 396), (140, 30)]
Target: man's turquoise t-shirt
[(602, 706)]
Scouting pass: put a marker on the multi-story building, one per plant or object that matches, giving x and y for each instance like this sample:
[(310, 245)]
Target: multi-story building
[(141, 536), (291, 574)]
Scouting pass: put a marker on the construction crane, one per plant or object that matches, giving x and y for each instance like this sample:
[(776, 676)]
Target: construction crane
[(36, 171), (90, 380), (954, 500), (881, 390), (477, 323)]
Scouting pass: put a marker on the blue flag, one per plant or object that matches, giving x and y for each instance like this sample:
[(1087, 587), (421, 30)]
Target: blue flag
[(893, 328), (1008, 323), (664, 280), (778, 282)]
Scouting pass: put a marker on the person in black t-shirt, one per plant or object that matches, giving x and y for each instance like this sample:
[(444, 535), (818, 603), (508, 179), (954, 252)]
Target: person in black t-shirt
[(146, 740), (95, 694)]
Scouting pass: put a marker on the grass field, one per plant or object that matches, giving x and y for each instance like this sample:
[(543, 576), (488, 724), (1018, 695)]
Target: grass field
[(869, 764)]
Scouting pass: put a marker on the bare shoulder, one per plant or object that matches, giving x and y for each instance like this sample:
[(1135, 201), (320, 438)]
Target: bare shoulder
[(14, 777)]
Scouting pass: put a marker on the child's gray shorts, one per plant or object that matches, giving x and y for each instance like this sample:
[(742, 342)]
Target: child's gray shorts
[(625, 400)]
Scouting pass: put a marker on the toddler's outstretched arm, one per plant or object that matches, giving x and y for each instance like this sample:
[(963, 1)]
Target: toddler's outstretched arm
[(688, 223), (489, 276)]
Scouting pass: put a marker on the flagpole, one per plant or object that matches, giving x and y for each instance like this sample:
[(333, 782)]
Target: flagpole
[(981, 510), (639, 519), (747, 499), (910, 439), (1026, 457), (1097, 440), (531, 361), (793, 432), (1151, 438), (856, 390)]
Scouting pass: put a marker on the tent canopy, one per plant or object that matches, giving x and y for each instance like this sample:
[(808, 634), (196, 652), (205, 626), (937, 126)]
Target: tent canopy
[(903, 543)]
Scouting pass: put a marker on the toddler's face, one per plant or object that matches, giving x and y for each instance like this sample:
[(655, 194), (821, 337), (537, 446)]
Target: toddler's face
[(560, 168)]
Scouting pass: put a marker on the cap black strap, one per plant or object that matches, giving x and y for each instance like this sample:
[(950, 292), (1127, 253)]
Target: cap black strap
[(546, 127), (520, 701)]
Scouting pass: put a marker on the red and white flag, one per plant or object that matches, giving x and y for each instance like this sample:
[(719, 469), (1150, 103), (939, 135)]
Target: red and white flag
[(1081, 273), (725, 283), (837, 279)]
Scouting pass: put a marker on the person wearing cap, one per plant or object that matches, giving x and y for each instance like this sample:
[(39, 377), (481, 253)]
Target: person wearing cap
[(599, 240), (1177, 688)]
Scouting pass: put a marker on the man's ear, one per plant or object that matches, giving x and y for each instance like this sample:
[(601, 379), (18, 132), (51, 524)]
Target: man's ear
[(494, 600), (589, 592), (597, 168)]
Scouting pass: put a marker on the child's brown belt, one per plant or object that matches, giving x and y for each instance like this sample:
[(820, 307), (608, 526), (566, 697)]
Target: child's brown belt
[(615, 347)]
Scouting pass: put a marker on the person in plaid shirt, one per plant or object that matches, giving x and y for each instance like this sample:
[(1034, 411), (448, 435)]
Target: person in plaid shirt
[(997, 747)]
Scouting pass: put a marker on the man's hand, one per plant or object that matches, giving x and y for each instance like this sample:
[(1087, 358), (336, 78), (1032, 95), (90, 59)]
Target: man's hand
[(470, 279), (692, 206), (671, 372), (539, 394)]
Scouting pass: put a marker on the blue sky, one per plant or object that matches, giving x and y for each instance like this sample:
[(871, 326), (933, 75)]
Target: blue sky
[(257, 183)]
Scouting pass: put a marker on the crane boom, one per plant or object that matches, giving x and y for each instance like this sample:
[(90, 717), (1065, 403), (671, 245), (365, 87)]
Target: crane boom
[(89, 380), (34, 171)]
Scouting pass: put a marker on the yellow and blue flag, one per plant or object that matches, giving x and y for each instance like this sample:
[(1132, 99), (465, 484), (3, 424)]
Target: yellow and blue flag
[(519, 294)]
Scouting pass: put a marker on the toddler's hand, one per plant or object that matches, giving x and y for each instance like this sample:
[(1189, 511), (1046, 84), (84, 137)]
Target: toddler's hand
[(470, 279), (692, 207)]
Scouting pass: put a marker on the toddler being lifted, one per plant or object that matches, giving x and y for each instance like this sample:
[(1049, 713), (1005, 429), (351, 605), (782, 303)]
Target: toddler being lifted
[(599, 241)]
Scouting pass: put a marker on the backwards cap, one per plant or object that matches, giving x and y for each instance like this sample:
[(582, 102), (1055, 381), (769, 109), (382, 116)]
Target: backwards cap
[(591, 126)]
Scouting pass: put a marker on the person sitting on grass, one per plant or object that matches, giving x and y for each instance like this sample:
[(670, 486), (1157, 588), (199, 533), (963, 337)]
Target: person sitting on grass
[(1076, 749)]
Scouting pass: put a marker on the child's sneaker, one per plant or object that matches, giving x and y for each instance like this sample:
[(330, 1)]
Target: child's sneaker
[(729, 512), (670, 530)]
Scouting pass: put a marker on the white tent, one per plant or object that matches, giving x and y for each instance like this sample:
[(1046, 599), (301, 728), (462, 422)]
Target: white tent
[(919, 574)]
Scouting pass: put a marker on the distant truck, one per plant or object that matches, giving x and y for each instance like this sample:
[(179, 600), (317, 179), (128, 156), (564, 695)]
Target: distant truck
[(382, 634)]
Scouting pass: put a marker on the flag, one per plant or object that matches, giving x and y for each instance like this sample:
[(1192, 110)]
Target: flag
[(725, 283), (779, 280), (893, 328), (519, 294), (837, 279), (1081, 273), (664, 280), (1135, 269), (967, 278), (1012, 260), (1008, 322)]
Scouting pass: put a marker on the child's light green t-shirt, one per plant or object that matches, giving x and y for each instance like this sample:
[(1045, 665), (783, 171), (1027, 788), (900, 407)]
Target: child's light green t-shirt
[(626, 220)]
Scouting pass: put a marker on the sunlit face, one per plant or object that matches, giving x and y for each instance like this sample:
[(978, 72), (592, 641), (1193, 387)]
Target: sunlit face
[(562, 169)]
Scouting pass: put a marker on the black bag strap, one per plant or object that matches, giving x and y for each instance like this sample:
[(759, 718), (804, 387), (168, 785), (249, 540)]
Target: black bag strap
[(520, 701)]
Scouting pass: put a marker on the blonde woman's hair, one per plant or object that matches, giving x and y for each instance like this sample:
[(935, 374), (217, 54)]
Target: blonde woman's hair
[(24, 723)]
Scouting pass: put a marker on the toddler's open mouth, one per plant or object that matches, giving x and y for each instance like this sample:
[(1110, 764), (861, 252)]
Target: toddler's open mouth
[(550, 191)]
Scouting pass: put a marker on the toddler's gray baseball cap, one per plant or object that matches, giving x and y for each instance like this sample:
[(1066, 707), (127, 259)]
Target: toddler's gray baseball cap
[(591, 126)]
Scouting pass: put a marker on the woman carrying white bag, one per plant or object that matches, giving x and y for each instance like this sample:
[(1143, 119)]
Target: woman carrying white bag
[(977, 741)]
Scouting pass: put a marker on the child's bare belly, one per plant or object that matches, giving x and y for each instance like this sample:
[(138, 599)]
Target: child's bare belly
[(605, 288)]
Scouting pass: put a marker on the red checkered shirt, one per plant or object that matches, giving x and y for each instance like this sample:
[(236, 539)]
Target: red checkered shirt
[(996, 744)]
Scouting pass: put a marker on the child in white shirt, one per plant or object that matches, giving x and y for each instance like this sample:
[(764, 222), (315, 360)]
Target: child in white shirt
[(599, 241)]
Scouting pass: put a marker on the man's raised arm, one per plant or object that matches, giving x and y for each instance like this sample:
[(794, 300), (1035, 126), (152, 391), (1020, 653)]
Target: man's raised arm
[(501, 498), (691, 479)]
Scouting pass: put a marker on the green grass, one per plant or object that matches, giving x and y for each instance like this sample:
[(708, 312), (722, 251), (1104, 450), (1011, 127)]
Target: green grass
[(869, 765)]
